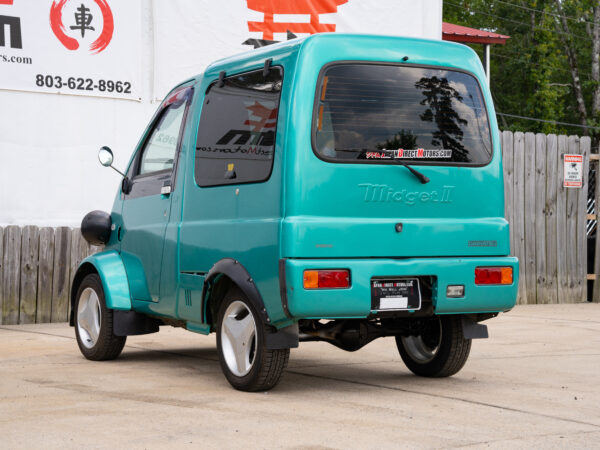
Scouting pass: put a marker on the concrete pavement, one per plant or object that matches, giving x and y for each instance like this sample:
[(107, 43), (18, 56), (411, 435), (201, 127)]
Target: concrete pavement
[(534, 383)]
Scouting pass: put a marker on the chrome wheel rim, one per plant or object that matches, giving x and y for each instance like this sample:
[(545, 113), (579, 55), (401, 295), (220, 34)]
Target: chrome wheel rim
[(238, 338), (88, 317), (423, 350)]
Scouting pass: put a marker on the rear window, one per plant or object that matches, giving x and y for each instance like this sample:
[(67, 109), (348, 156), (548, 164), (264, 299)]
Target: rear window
[(378, 113), (236, 134)]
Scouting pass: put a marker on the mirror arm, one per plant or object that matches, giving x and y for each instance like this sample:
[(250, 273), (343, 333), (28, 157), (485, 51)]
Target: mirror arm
[(118, 171)]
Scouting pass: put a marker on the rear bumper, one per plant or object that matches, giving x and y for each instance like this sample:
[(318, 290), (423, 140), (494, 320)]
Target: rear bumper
[(355, 302)]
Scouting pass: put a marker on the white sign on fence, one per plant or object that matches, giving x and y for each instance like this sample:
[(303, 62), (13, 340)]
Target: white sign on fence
[(573, 172), (80, 47)]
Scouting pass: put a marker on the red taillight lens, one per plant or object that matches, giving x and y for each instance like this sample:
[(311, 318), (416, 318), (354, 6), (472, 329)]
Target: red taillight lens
[(493, 275), (326, 279)]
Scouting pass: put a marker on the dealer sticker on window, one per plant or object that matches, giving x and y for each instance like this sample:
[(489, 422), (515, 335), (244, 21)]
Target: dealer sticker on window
[(418, 153), (395, 294)]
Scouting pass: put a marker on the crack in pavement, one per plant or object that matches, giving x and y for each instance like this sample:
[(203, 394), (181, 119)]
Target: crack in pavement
[(537, 436), (85, 389), (536, 355), (555, 319), (447, 397)]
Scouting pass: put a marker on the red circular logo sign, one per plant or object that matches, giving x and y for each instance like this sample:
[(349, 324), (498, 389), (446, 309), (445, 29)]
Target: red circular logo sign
[(82, 22)]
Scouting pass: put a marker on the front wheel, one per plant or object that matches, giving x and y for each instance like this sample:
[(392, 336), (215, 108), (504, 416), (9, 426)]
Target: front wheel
[(439, 351), (246, 362), (94, 322)]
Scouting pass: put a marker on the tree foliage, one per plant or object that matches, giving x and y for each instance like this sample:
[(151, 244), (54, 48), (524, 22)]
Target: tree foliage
[(548, 69)]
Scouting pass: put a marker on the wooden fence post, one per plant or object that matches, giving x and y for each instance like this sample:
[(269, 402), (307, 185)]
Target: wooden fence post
[(79, 251), (551, 219), (530, 219), (507, 163), (11, 276), (61, 274), (561, 227), (540, 217), (571, 244), (519, 211), (30, 244), (46, 267)]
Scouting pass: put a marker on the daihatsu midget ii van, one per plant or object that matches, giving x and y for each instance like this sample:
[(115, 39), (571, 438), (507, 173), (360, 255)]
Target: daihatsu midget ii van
[(337, 188)]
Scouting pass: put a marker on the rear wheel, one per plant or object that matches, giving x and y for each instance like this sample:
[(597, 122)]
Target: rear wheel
[(439, 351), (246, 362), (94, 322)]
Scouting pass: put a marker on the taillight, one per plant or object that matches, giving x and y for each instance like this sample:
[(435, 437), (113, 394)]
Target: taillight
[(493, 275), (326, 279)]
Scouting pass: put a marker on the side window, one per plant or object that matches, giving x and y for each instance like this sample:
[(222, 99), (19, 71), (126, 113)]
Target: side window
[(236, 134), (159, 151)]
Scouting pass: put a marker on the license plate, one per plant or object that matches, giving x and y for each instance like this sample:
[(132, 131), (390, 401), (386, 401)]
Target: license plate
[(399, 294)]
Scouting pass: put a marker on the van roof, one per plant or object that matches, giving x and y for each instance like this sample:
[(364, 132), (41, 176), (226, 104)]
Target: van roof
[(378, 47)]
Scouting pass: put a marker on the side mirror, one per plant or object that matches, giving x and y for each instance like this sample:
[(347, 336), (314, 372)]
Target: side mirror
[(105, 156)]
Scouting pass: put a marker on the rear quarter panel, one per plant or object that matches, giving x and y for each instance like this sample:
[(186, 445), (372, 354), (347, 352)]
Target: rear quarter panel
[(240, 221)]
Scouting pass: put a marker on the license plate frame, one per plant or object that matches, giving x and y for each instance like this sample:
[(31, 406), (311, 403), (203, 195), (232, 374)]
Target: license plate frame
[(396, 294)]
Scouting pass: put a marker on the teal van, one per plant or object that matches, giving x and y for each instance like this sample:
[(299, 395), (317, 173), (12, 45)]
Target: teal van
[(335, 188)]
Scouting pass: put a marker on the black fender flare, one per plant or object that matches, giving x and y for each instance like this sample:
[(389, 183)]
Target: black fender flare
[(235, 271), (287, 337)]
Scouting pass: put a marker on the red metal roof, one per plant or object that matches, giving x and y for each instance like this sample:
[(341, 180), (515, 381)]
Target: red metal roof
[(458, 33)]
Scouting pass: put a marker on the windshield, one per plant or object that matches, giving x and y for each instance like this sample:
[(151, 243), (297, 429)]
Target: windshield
[(374, 113)]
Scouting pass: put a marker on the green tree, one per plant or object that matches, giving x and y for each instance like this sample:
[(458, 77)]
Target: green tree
[(439, 96), (549, 69), (403, 139)]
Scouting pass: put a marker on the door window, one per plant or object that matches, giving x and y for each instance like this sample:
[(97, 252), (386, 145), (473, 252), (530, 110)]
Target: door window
[(160, 149)]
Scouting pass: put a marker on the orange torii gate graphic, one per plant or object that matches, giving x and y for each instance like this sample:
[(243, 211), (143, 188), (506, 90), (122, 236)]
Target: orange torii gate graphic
[(266, 117), (311, 7)]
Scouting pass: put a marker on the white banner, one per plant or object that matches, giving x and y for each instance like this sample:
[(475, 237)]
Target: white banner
[(208, 30), (78, 47)]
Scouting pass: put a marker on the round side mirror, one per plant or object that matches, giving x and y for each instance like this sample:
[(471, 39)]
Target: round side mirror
[(105, 156)]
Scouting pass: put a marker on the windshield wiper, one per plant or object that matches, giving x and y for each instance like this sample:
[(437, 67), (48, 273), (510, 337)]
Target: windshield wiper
[(422, 178)]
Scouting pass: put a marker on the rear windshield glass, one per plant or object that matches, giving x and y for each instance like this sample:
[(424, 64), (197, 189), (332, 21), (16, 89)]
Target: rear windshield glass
[(378, 113)]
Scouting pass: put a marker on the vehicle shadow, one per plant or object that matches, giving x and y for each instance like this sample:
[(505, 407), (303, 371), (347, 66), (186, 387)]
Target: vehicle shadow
[(313, 374), (136, 353)]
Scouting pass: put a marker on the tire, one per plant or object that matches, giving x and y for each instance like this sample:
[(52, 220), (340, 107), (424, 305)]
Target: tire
[(440, 351), (246, 362), (94, 322)]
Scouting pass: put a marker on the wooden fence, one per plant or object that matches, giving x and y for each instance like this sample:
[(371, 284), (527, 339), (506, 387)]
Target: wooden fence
[(547, 221), (548, 235), (37, 266)]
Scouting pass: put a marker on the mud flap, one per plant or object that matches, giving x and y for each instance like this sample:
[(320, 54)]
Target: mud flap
[(284, 338), (131, 323), (473, 330)]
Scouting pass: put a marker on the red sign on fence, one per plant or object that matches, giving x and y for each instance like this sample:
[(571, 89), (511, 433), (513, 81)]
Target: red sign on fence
[(312, 8)]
